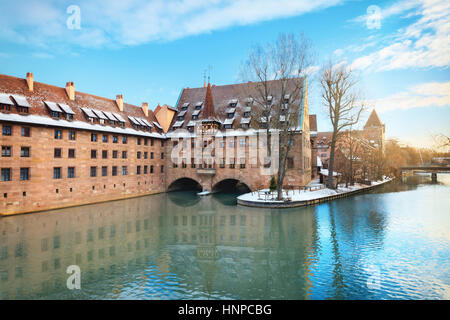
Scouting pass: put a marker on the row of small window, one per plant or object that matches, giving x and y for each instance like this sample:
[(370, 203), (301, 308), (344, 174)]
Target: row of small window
[(7, 107), (57, 171), (58, 134), (105, 138), (232, 165), (203, 220), (6, 174), (210, 166), (57, 153), (7, 151), (242, 143), (7, 131)]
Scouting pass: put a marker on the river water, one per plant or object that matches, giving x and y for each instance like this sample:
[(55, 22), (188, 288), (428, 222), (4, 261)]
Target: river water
[(392, 243)]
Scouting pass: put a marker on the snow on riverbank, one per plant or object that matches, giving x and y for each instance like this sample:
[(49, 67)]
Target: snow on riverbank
[(264, 195)]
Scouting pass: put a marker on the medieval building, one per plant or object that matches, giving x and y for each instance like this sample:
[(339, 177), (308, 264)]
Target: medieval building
[(224, 120), (61, 147)]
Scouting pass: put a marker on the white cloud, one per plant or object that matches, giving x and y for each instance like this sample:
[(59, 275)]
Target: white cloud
[(42, 55), (395, 9), (311, 70), (430, 94), (338, 52), (423, 44), (133, 22)]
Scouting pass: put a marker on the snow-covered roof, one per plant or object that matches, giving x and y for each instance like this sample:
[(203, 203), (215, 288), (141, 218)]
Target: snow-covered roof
[(191, 123), (99, 114), (109, 115), (182, 113), (146, 122), (53, 106), (157, 125), (139, 120), (66, 108), (21, 100), (228, 121), (245, 120), (230, 110), (324, 172), (196, 112), (47, 121), (89, 112), (118, 117), (178, 124), (134, 121), (4, 99)]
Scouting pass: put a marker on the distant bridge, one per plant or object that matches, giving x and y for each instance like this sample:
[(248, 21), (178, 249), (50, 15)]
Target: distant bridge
[(433, 169)]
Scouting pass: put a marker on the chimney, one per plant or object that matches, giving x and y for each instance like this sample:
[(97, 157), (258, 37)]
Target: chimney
[(70, 90), (145, 108), (30, 81), (119, 101)]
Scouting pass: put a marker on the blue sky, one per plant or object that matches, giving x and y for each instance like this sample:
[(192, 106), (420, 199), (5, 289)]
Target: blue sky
[(150, 50)]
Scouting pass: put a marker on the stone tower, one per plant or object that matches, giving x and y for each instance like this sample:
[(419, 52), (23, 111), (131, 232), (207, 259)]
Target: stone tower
[(374, 130)]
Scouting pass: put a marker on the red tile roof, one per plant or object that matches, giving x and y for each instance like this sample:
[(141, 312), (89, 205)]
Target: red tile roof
[(46, 92), (221, 96)]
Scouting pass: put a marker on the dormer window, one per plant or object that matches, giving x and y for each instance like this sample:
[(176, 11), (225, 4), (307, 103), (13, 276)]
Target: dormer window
[(67, 110), (5, 102), (269, 99), (102, 121), (55, 110), (5, 107), (286, 98), (89, 114), (195, 117), (233, 103), (230, 115), (246, 114), (198, 105), (185, 106), (21, 103)]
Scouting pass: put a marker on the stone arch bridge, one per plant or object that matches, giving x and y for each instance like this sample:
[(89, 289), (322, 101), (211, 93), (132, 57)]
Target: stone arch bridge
[(213, 180)]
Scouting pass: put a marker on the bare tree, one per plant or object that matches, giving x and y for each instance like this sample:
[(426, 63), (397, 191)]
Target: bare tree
[(342, 101), (442, 141), (275, 84)]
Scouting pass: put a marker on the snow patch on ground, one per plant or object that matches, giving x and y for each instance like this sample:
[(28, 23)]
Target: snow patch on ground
[(317, 191)]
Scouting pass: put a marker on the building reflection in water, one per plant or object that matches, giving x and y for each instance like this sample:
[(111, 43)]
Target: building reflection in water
[(159, 247), (178, 245)]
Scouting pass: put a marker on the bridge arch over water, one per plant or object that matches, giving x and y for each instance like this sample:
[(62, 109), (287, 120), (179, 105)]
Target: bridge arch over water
[(185, 183), (230, 184)]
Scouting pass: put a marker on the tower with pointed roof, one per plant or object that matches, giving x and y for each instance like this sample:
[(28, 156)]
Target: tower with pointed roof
[(209, 122), (374, 130)]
